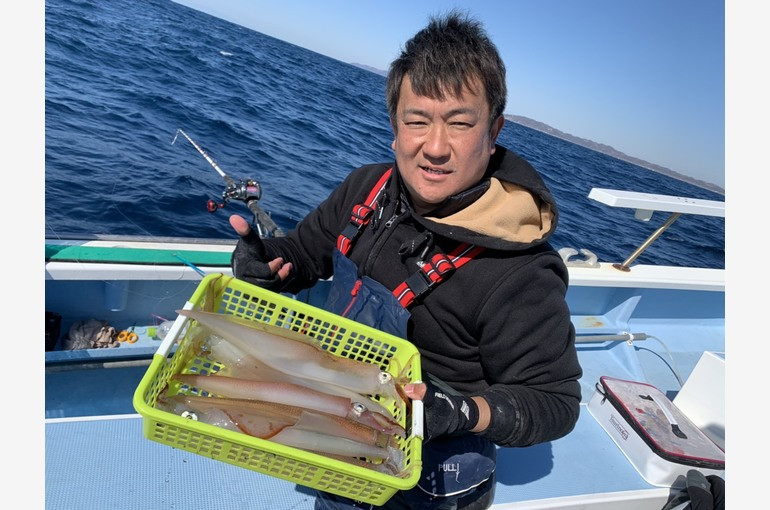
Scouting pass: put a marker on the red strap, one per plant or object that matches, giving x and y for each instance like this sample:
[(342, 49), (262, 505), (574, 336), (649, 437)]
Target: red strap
[(361, 215), (433, 272), (372, 198)]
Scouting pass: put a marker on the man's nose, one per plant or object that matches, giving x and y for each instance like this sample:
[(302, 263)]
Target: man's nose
[(436, 144)]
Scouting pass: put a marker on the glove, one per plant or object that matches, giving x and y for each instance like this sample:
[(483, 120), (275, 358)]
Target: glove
[(447, 414), (700, 493), (706, 492), (248, 263)]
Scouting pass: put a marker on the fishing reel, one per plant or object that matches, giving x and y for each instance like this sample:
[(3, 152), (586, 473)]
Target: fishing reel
[(248, 191), (245, 191)]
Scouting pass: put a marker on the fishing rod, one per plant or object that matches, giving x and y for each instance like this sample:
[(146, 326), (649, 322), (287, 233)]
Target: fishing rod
[(246, 190)]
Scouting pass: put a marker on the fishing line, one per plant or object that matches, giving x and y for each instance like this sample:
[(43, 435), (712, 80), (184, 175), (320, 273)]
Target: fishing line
[(119, 211), (193, 266), (158, 300), (245, 190)]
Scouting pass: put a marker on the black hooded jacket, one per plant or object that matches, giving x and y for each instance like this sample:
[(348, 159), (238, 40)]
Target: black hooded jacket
[(499, 326)]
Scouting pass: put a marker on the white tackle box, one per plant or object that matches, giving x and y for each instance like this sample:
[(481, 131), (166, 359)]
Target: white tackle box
[(656, 437)]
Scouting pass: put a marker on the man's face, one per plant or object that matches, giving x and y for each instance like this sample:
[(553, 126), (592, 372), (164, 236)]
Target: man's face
[(442, 146)]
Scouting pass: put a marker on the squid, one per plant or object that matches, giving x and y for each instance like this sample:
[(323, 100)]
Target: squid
[(294, 395), (246, 412), (276, 347), (212, 415), (388, 468), (244, 366), (292, 426)]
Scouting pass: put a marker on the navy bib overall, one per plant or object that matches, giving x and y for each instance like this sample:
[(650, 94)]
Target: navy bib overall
[(455, 468)]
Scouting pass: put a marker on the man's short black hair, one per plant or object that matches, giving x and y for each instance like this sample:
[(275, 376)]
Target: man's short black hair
[(450, 52)]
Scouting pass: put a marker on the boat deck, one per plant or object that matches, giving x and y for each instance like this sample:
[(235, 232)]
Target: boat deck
[(81, 454), (91, 423), (97, 456)]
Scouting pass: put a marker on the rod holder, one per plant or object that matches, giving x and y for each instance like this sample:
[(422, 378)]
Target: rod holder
[(625, 265)]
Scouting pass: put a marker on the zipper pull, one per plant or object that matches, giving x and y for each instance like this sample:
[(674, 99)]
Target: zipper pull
[(381, 203), (397, 211), (428, 247), (353, 292)]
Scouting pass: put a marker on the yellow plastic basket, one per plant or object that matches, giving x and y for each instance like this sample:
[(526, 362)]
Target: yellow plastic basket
[(338, 336)]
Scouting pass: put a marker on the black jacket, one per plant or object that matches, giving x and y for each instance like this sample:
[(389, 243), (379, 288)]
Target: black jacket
[(497, 327)]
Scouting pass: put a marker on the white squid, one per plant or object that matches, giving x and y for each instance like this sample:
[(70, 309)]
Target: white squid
[(295, 427), (293, 395), (295, 355), (244, 366)]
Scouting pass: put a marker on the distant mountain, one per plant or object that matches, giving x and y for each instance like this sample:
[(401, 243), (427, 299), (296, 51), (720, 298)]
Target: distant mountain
[(370, 68), (610, 151), (599, 147)]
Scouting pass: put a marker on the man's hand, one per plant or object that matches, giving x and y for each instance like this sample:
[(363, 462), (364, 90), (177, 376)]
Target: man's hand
[(248, 259), (448, 414)]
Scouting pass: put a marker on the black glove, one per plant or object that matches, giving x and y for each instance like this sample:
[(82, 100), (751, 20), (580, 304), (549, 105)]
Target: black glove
[(702, 493), (718, 491), (706, 492), (446, 413), (248, 263)]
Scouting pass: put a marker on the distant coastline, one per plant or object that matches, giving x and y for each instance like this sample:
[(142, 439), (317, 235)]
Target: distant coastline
[(610, 151), (589, 144)]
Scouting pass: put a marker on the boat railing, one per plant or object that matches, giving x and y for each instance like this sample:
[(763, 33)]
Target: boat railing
[(648, 203)]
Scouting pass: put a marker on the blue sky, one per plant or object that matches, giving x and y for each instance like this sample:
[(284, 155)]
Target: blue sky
[(645, 77)]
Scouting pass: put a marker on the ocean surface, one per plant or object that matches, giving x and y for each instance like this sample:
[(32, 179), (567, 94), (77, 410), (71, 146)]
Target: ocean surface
[(121, 77)]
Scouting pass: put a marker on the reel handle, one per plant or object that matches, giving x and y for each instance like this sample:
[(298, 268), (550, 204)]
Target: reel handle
[(212, 206)]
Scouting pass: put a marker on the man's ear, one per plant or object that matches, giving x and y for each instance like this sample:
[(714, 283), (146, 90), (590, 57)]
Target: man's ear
[(494, 132), (395, 132)]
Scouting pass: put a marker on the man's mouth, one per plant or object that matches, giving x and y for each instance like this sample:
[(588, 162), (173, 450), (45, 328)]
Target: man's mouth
[(434, 171)]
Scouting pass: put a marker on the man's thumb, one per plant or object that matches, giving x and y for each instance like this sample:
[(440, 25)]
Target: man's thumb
[(249, 237), (241, 226)]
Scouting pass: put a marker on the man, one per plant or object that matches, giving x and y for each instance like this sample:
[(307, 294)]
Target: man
[(448, 247)]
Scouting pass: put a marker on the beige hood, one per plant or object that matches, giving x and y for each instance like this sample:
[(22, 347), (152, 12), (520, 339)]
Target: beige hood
[(505, 211)]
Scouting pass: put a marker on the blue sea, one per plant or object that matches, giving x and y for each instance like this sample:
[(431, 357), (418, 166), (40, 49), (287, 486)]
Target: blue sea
[(121, 77)]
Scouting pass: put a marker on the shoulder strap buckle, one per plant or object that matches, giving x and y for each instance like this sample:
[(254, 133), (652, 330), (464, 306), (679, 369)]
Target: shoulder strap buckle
[(433, 272), (422, 281), (361, 215)]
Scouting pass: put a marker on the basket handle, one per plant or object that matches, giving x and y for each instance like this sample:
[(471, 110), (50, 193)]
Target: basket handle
[(417, 418)]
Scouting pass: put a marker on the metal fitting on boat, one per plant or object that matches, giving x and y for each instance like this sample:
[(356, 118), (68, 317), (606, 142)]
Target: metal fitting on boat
[(590, 259)]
